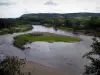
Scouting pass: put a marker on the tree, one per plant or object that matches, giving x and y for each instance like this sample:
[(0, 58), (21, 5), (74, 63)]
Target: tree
[(94, 56), (11, 66), (93, 23), (75, 25), (68, 23), (59, 21)]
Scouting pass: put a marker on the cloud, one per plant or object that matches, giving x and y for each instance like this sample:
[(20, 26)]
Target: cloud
[(11, 8), (8, 2), (97, 8), (3, 3), (50, 3), (15, 8)]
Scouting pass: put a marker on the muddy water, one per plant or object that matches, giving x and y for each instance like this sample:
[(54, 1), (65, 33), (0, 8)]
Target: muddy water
[(61, 55)]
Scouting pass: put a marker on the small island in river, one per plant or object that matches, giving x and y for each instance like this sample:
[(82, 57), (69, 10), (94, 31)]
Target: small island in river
[(21, 40)]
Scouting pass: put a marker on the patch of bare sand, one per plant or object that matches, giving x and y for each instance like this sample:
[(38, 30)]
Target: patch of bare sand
[(38, 69)]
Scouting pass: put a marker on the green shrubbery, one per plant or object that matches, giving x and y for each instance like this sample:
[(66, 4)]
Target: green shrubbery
[(36, 34), (20, 43), (11, 66), (20, 28)]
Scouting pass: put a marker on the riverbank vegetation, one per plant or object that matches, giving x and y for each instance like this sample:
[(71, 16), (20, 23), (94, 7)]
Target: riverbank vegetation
[(9, 26), (19, 28), (11, 65), (23, 39), (87, 23)]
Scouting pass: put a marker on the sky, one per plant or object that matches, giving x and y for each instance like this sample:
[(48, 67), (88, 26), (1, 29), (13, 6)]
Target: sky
[(15, 8)]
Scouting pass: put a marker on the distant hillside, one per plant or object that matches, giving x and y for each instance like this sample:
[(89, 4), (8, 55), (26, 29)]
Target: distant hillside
[(53, 15), (82, 14)]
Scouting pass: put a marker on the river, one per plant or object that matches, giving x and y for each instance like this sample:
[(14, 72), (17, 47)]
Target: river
[(61, 55)]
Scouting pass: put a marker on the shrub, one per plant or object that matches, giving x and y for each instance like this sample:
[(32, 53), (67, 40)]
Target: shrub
[(20, 43), (35, 34), (11, 66)]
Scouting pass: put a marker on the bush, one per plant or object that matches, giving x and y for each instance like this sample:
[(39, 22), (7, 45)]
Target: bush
[(11, 66), (20, 43), (5, 30), (35, 34)]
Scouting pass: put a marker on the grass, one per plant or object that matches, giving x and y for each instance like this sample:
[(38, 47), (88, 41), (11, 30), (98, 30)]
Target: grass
[(23, 39)]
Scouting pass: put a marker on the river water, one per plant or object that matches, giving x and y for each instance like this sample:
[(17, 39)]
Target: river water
[(61, 55)]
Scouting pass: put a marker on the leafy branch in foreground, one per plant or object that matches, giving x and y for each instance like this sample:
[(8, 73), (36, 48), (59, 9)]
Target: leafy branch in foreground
[(11, 66), (94, 56)]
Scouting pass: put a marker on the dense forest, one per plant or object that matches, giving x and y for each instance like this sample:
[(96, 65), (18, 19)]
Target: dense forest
[(83, 22)]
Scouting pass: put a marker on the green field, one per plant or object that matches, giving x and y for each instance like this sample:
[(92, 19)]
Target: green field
[(21, 40)]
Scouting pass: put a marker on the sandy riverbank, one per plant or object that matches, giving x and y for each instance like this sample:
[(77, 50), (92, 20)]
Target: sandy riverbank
[(38, 69)]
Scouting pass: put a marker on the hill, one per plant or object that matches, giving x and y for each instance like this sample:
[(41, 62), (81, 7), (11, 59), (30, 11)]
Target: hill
[(54, 15)]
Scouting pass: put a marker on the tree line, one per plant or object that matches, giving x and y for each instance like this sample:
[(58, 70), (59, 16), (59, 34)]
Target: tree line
[(87, 24)]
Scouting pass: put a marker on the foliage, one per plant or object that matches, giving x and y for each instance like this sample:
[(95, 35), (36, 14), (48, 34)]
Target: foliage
[(20, 43), (94, 56), (15, 29), (11, 66), (89, 22), (93, 23)]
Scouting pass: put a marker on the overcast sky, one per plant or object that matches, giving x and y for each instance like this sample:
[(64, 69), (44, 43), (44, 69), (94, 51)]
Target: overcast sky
[(15, 8)]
